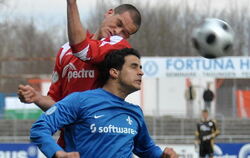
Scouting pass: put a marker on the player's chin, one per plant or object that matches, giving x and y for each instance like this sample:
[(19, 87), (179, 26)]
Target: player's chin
[(138, 88), (133, 88), (137, 85)]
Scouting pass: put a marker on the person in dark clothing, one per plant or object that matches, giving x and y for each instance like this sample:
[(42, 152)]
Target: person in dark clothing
[(190, 95), (205, 135)]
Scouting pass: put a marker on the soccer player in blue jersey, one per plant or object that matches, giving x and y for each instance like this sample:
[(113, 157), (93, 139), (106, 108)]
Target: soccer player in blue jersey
[(99, 123)]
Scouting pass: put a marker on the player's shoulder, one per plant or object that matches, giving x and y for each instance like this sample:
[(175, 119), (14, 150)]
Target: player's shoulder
[(82, 96), (74, 94), (213, 121), (91, 93), (113, 38), (199, 122), (134, 107), (210, 122), (95, 93), (65, 50)]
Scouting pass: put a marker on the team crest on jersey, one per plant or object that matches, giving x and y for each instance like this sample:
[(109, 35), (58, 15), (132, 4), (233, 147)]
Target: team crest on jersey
[(129, 120), (204, 128), (67, 68), (210, 123), (51, 110)]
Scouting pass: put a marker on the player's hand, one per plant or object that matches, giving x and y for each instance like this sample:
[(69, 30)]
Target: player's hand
[(208, 137), (204, 138), (28, 94), (196, 147), (169, 153), (63, 154)]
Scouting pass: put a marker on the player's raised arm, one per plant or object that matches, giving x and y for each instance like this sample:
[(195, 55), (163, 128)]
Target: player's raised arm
[(76, 31)]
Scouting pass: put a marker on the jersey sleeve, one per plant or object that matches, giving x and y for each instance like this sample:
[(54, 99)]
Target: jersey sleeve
[(197, 133), (94, 51), (144, 145), (216, 132), (62, 113), (55, 90)]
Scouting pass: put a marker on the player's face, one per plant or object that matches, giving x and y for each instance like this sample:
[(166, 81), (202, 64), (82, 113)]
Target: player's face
[(117, 24), (130, 76), (205, 115)]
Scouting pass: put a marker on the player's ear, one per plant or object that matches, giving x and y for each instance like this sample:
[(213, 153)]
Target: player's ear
[(113, 73), (109, 12)]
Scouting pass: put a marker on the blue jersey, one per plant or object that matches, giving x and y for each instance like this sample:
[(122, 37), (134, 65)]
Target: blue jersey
[(98, 124)]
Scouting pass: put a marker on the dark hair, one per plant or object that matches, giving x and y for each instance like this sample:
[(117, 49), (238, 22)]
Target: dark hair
[(115, 59), (205, 110), (134, 13)]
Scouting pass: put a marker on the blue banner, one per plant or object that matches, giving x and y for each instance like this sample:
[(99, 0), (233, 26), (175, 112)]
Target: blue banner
[(8, 150), (233, 150)]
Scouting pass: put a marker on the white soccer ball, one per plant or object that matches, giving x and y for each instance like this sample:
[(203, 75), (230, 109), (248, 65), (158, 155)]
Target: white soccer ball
[(214, 38)]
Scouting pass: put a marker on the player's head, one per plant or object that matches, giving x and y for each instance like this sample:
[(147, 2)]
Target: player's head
[(123, 20), (123, 69), (205, 114)]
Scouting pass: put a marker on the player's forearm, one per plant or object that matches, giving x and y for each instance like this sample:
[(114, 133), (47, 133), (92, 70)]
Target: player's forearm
[(76, 31), (197, 136), (45, 102), (41, 136), (197, 140), (154, 151), (216, 133)]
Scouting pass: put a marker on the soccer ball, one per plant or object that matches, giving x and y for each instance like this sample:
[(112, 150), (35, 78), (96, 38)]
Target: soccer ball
[(214, 38)]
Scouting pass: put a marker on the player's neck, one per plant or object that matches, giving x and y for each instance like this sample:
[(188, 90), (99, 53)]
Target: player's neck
[(116, 90), (205, 120)]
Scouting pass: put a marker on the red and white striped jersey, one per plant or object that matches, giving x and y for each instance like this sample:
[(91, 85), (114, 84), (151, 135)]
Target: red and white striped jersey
[(75, 68)]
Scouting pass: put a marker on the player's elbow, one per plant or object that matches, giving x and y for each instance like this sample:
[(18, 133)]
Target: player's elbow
[(217, 132), (34, 134), (37, 133)]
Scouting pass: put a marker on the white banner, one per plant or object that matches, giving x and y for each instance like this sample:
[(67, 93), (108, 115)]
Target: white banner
[(13, 103), (183, 151), (226, 67)]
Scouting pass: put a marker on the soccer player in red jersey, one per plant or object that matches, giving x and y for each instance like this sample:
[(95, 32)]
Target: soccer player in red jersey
[(75, 67)]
